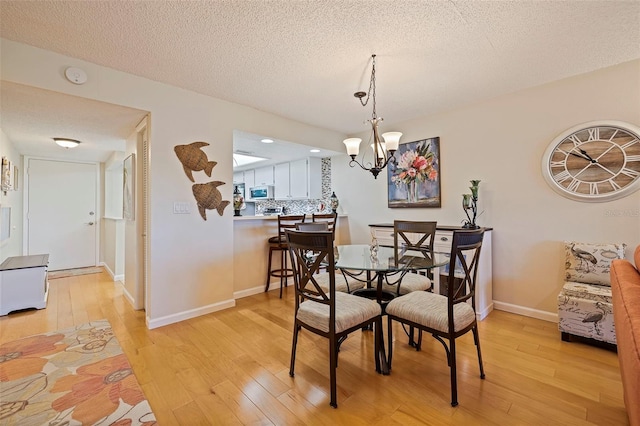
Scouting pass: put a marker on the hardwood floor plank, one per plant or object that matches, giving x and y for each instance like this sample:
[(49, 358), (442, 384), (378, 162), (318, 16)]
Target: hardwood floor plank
[(232, 367)]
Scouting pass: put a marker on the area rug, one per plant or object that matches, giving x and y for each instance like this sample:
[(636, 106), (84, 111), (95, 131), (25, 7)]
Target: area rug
[(78, 376), (63, 273)]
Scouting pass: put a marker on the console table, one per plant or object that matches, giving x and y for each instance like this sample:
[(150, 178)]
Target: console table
[(383, 232), (23, 283)]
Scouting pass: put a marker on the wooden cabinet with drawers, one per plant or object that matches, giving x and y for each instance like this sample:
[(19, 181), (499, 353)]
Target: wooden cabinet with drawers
[(383, 233), (23, 283)]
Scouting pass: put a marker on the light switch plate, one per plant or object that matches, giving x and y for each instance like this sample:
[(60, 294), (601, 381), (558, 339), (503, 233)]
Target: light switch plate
[(181, 208)]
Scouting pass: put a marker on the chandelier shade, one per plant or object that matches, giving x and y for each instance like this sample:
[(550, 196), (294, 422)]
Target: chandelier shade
[(383, 146)]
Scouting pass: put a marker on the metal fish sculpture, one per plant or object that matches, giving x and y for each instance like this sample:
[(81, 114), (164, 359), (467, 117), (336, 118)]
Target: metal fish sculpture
[(209, 198), (194, 159)]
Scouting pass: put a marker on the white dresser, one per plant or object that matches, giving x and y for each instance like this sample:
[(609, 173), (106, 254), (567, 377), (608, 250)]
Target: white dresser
[(23, 283), (444, 236)]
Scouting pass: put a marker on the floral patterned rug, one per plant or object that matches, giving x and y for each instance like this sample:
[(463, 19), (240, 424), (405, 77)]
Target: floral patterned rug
[(78, 376)]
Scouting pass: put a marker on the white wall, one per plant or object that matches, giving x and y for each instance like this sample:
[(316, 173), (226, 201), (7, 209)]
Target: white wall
[(501, 142), (13, 199), (190, 258)]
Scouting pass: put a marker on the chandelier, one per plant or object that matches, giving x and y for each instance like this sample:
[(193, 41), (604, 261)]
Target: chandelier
[(383, 147)]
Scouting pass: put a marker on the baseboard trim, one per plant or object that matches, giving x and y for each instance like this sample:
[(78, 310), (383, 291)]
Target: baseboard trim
[(114, 277), (128, 296), (192, 313), (255, 290), (482, 315), (524, 311)]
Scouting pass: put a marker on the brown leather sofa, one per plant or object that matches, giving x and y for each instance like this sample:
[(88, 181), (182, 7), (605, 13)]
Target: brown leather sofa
[(625, 288)]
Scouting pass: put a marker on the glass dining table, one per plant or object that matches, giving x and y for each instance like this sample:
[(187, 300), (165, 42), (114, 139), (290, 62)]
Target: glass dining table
[(377, 265)]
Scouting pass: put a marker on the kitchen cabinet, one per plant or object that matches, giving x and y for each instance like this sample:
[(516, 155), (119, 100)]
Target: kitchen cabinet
[(383, 233), (300, 179), (264, 176), (23, 283), (249, 179)]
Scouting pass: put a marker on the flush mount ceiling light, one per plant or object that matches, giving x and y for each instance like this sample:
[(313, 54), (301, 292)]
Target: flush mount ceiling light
[(383, 147), (66, 142), (266, 140), (314, 150)]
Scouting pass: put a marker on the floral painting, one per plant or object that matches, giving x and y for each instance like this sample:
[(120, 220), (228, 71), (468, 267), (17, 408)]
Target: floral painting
[(414, 175)]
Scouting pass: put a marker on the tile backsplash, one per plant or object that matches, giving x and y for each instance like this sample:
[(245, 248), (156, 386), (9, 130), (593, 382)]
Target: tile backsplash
[(304, 206)]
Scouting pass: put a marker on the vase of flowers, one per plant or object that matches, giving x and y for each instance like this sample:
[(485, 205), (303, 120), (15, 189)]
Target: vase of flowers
[(414, 167)]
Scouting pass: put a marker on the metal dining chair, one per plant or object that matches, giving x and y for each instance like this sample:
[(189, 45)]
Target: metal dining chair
[(446, 317), (279, 243), (344, 283), (326, 312)]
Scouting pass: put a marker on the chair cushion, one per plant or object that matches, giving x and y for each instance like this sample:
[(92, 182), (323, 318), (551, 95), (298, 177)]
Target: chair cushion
[(430, 310), (597, 293), (350, 311), (410, 282), (341, 284), (590, 263)]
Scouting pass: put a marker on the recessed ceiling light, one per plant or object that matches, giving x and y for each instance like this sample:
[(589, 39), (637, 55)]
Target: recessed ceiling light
[(314, 150), (66, 142), (266, 140)]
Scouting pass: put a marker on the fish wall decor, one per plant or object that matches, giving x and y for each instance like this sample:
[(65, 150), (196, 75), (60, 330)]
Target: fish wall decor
[(194, 159), (208, 197)]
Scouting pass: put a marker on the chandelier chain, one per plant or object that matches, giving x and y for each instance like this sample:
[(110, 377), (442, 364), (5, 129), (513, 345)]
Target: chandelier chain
[(372, 88)]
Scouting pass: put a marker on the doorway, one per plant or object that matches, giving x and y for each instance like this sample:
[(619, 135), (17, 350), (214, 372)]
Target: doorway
[(62, 212)]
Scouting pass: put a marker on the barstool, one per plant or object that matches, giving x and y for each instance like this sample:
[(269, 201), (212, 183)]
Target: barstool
[(279, 243)]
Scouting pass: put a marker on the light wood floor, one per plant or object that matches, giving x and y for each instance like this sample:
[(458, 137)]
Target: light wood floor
[(232, 367)]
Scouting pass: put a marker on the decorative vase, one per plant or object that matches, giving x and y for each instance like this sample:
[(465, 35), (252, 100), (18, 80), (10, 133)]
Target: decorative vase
[(412, 191), (333, 200), (238, 201)]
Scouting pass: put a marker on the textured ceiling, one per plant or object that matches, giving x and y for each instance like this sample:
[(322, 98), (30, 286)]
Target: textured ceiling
[(305, 59)]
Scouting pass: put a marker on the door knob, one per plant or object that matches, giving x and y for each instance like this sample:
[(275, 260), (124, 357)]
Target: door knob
[(90, 223)]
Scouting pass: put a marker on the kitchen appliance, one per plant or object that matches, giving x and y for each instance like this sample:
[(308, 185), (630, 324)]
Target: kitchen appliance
[(264, 192), (272, 211)]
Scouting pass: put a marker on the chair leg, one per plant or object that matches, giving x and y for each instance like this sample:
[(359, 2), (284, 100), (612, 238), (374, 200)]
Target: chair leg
[(476, 338), (390, 334), (376, 344), (294, 345), (333, 366), (283, 261), (266, 287), (454, 372)]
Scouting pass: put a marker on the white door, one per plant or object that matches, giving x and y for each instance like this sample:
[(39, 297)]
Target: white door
[(61, 212)]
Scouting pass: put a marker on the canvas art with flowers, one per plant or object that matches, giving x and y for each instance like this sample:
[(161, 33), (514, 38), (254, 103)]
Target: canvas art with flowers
[(414, 175)]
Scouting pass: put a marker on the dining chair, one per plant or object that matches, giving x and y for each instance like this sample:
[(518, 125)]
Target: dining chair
[(279, 243), (326, 312), (344, 283), (411, 238), (330, 218), (446, 317)]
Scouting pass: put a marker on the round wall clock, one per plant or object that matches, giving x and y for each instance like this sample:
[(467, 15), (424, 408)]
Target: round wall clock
[(596, 161)]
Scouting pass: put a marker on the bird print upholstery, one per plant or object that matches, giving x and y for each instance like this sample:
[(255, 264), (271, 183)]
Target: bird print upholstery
[(584, 305), (590, 263)]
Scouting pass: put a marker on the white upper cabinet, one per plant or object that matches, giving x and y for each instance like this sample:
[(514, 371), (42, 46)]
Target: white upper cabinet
[(281, 181), (249, 179), (238, 177), (300, 179), (264, 176)]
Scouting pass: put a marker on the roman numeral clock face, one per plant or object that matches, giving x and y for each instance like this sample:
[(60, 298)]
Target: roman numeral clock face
[(598, 161)]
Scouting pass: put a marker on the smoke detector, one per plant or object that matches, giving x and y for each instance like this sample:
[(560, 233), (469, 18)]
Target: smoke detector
[(75, 75)]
